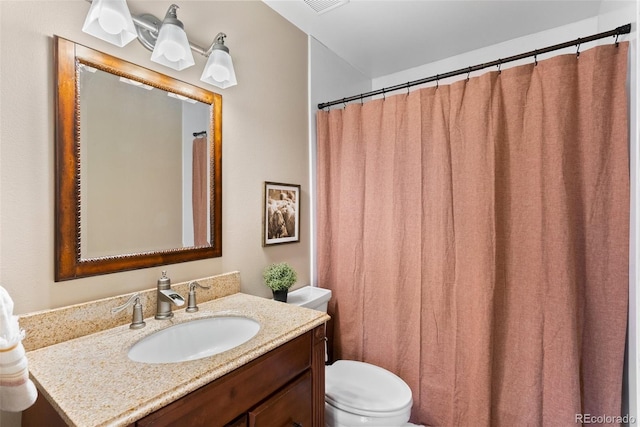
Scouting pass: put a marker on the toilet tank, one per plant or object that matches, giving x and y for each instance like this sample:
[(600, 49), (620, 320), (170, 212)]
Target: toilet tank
[(310, 297)]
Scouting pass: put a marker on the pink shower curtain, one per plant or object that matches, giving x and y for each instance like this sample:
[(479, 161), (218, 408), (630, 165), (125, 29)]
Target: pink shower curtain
[(199, 191), (475, 237)]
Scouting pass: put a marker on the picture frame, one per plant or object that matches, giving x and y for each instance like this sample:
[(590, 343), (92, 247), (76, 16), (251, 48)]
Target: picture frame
[(281, 213)]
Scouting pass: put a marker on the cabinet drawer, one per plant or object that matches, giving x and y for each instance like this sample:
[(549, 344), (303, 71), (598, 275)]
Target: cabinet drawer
[(290, 407)]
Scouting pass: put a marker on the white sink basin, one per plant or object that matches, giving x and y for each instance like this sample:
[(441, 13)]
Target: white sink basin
[(194, 340)]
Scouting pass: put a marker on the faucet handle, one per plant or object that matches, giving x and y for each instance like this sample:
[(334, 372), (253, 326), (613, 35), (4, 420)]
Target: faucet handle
[(193, 284), (192, 307), (137, 321)]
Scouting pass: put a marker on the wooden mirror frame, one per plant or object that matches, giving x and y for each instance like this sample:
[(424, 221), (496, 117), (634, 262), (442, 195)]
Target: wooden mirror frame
[(68, 261)]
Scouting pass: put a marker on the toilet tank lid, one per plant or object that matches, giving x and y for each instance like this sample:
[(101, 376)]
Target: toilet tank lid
[(365, 389), (309, 296)]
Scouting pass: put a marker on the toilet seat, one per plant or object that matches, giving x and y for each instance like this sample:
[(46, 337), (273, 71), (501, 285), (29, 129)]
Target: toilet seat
[(367, 390)]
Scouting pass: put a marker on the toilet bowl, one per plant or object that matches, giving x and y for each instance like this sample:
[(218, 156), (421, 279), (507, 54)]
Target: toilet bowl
[(357, 393), (361, 394)]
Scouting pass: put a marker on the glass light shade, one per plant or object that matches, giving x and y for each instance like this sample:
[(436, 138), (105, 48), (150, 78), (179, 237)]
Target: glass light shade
[(219, 70), (172, 48), (110, 20)]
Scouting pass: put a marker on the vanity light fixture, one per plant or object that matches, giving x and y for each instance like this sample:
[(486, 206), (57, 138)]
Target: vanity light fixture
[(219, 69), (172, 47), (111, 20)]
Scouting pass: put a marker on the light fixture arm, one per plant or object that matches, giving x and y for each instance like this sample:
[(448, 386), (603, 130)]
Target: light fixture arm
[(145, 23), (148, 27), (172, 16), (218, 43)]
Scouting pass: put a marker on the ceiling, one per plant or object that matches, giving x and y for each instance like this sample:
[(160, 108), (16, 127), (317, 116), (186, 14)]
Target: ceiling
[(380, 37)]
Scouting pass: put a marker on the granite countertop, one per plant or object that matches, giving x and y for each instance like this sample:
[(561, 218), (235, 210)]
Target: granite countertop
[(90, 380)]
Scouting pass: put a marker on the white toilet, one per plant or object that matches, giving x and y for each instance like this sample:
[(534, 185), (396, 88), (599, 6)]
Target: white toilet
[(358, 393)]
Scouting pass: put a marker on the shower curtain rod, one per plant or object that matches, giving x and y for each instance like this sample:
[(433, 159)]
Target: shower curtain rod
[(624, 29)]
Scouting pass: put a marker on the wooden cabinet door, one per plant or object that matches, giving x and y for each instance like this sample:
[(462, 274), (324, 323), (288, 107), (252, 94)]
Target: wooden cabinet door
[(290, 407)]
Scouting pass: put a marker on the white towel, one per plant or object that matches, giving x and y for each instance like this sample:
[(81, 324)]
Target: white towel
[(17, 391)]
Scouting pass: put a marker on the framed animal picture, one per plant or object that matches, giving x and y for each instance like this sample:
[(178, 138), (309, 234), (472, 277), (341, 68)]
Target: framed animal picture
[(281, 215)]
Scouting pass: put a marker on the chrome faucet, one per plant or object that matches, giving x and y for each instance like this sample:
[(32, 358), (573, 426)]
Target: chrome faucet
[(166, 296)]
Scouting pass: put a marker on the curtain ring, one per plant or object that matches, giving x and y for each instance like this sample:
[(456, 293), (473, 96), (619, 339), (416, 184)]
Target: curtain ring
[(617, 43), (408, 86), (535, 57), (468, 73), (499, 66), (437, 81), (344, 103), (361, 101), (384, 94), (578, 49)]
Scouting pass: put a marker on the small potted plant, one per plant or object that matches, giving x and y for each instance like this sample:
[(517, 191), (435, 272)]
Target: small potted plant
[(279, 277)]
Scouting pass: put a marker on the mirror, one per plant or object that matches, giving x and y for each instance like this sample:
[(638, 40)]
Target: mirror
[(138, 166)]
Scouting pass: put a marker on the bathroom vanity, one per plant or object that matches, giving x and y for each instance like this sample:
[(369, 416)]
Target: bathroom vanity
[(274, 379), (277, 389)]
